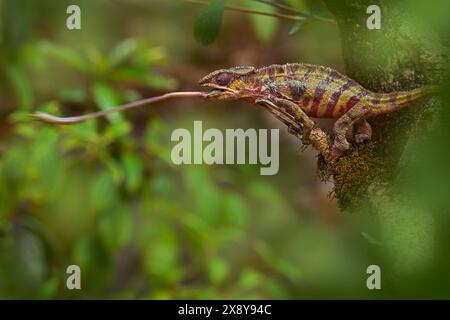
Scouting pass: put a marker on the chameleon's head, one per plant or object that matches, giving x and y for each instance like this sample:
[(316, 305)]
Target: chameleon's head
[(227, 84)]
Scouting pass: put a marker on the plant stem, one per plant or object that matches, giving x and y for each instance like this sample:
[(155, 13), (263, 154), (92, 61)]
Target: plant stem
[(283, 7), (298, 17), (250, 11)]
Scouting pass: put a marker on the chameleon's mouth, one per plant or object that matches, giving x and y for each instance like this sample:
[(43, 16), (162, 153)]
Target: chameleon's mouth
[(219, 92)]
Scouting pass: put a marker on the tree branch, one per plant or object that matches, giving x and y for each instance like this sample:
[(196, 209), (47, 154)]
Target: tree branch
[(393, 58), (297, 17)]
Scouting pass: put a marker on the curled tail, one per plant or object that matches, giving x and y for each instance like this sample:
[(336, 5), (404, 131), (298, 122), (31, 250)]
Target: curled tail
[(389, 102)]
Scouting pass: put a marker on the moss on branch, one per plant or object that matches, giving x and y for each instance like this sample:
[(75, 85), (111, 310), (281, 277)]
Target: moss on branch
[(400, 56)]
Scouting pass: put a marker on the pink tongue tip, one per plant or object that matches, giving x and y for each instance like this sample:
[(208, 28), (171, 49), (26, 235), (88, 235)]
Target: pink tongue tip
[(48, 118)]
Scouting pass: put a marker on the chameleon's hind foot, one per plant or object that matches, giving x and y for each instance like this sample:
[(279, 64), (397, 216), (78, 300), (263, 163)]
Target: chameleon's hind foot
[(361, 138), (363, 131), (354, 117), (340, 146)]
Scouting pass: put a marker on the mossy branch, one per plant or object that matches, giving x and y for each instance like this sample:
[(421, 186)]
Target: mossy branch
[(391, 59)]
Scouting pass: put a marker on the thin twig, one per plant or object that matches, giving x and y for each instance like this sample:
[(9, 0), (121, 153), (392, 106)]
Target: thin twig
[(283, 7), (293, 10), (250, 11), (48, 118), (300, 16)]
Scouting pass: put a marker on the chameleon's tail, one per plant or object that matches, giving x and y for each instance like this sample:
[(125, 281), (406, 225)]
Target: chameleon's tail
[(388, 102)]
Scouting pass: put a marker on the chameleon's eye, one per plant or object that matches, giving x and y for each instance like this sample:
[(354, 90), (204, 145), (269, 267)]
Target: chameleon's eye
[(223, 79)]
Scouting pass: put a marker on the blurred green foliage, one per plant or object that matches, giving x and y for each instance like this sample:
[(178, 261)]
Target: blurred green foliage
[(209, 21), (105, 195)]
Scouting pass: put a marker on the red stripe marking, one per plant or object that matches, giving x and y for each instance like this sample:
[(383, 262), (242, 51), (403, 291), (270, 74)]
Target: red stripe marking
[(393, 96), (376, 101), (335, 99), (319, 92), (350, 104)]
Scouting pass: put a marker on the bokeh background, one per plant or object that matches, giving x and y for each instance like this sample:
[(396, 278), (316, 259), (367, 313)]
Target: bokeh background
[(105, 195)]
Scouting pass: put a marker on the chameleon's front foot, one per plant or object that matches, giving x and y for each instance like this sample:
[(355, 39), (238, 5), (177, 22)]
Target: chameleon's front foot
[(294, 131), (306, 136), (299, 124), (292, 127), (300, 117), (303, 134)]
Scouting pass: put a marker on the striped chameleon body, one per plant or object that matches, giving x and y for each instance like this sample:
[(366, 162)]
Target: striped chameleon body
[(295, 92)]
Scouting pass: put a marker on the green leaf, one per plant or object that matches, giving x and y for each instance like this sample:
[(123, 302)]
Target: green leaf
[(250, 279), (289, 270), (115, 229), (116, 170), (106, 98), (162, 255), (102, 191), (133, 170), (297, 4), (265, 27), (97, 61), (150, 56), (296, 27), (142, 76), (76, 95), (218, 270), (49, 288), (408, 237), (115, 131), (371, 239), (65, 55), (160, 82), (208, 22), (21, 86), (124, 50), (236, 210)]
